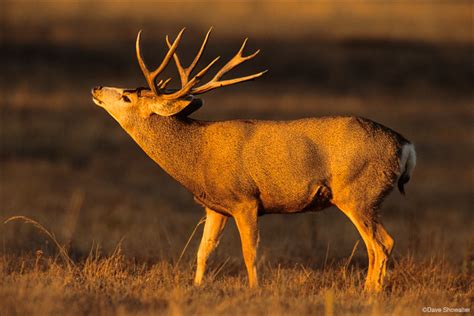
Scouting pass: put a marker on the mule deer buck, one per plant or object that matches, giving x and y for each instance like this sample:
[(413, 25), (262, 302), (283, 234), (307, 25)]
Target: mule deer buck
[(247, 168)]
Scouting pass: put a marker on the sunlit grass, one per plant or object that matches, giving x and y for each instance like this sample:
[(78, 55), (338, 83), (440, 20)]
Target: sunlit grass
[(115, 283), (110, 284)]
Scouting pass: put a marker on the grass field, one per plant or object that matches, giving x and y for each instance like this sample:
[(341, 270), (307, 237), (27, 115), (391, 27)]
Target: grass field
[(124, 223)]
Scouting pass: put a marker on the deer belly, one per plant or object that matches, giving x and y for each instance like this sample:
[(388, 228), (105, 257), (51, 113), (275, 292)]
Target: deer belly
[(314, 198)]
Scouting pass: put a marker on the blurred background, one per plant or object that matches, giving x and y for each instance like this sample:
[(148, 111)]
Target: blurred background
[(66, 163)]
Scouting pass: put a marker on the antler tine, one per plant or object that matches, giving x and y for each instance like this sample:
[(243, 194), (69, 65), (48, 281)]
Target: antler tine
[(234, 62), (201, 50), (151, 76), (211, 85), (184, 73), (187, 88), (163, 84)]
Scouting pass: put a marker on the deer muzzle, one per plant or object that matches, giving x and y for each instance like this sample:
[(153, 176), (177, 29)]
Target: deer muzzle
[(96, 92)]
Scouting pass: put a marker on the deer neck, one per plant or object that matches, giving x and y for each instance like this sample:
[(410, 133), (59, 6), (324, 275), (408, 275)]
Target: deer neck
[(173, 143)]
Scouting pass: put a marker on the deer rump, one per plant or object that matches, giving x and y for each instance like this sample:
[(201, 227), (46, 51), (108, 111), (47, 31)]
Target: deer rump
[(298, 166)]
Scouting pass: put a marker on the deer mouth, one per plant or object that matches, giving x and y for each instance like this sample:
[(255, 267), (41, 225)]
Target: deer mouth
[(97, 101), (95, 98)]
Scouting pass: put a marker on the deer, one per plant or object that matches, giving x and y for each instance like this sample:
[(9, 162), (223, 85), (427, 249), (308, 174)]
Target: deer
[(248, 168)]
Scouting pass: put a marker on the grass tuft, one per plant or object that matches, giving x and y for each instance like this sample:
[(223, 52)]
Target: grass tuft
[(62, 249)]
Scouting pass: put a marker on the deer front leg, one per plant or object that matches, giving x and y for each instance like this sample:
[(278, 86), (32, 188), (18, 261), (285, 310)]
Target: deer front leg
[(212, 233), (247, 225)]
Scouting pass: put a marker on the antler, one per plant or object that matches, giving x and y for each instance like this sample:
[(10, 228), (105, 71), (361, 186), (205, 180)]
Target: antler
[(234, 62), (151, 76), (187, 86), (185, 72), (215, 82)]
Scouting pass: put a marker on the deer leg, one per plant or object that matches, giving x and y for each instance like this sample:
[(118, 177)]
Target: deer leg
[(248, 230), (213, 229), (383, 245), (365, 226)]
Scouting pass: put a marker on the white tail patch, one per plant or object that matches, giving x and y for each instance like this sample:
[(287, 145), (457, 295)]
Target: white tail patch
[(407, 160), (407, 164)]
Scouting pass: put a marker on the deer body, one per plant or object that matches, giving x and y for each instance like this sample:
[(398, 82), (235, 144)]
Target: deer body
[(285, 166), (247, 168)]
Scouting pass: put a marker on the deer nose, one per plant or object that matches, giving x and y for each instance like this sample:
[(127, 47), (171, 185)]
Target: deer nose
[(96, 89)]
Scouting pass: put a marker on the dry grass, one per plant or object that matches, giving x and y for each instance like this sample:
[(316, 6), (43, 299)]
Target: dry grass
[(116, 285)]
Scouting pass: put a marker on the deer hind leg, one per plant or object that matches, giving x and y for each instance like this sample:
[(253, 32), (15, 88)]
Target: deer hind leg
[(247, 225), (378, 242), (383, 247), (364, 225), (213, 229)]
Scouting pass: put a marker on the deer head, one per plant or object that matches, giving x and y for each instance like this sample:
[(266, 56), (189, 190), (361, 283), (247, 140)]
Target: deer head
[(125, 104)]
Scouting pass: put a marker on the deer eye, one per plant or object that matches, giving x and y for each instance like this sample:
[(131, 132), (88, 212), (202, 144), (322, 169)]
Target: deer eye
[(126, 99)]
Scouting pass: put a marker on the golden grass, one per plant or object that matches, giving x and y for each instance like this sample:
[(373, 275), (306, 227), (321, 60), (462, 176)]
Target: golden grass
[(201, 221), (115, 284), (62, 249)]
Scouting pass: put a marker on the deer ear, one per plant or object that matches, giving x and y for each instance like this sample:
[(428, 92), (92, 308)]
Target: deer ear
[(195, 105), (165, 107)]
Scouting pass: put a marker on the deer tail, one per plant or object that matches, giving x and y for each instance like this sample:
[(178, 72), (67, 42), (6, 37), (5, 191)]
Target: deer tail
[(407, 164)]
